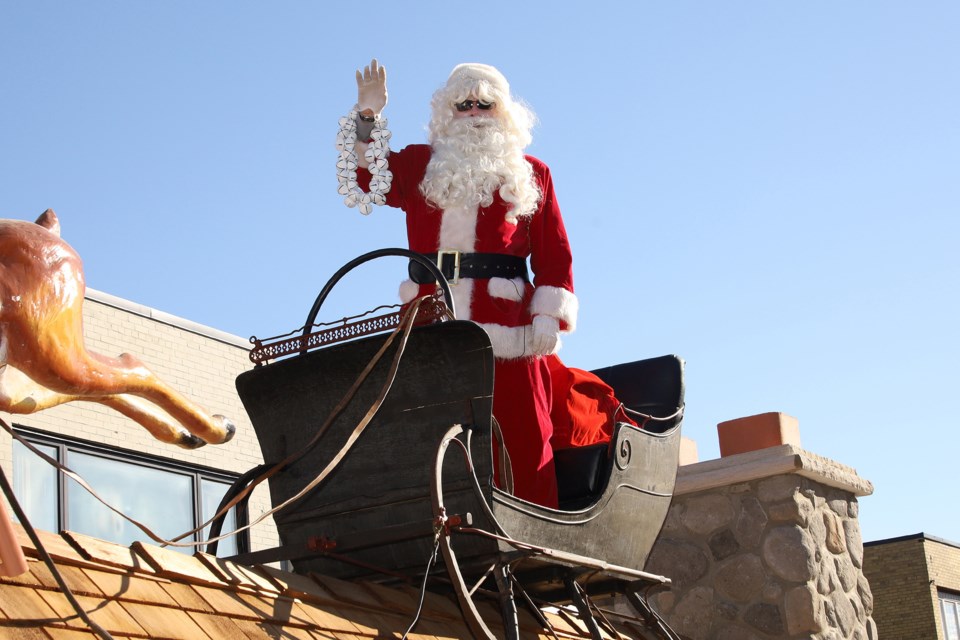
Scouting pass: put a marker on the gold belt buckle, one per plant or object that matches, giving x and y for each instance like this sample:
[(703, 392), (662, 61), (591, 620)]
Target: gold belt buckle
[(456, 264)]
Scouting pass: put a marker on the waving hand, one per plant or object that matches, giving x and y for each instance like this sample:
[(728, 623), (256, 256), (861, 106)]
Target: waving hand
[(372, 88)]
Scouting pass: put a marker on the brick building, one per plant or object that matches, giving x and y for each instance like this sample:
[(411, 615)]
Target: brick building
[(916, 587), (168, 488)]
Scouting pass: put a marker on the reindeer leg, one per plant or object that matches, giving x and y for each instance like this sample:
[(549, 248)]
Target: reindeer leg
[(71, 373), (215, 429), (156, 422), (21, 395), (60, 362)]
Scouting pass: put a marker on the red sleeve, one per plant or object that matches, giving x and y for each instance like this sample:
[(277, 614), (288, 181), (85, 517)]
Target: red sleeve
[(408, 166), (550, 256)]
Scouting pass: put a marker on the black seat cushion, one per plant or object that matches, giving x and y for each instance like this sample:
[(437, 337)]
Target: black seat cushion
[(580, 472)]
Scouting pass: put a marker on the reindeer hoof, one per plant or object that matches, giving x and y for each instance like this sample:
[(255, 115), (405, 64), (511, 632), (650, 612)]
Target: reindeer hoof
[(189, 441), (228, 427)]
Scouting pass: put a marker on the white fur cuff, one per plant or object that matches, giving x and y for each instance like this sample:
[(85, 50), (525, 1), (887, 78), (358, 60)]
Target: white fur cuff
[(556, 302), (408, 291), (511, 343)]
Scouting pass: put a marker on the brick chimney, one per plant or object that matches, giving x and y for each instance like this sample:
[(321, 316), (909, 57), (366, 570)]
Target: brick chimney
[(757, 432)]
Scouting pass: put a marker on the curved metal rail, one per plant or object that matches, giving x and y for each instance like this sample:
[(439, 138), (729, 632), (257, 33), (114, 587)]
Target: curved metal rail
[(373, 255)]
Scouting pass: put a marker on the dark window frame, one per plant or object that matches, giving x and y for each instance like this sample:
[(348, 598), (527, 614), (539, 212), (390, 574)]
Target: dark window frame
[(64, 444)]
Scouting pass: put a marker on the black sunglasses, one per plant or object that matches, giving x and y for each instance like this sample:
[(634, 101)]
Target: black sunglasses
[(466, 105)]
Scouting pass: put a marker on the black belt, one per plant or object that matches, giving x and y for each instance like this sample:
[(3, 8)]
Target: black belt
[(455, 265)]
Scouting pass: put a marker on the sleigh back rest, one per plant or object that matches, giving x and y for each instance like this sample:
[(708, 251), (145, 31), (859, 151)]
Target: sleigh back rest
[(653, 387), (445, 377)]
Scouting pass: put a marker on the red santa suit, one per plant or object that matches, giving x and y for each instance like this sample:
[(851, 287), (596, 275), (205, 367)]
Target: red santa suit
[(503, 307)]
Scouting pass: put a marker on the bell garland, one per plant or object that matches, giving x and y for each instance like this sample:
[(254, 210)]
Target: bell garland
[(376, 156)]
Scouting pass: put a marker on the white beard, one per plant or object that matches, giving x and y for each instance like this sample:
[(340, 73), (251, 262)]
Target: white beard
[(471, 161)]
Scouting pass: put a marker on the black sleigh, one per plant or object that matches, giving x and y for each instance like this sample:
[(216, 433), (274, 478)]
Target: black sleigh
[(379, 448)]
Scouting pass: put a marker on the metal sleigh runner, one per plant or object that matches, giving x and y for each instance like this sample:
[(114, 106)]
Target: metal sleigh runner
[(379, 449)]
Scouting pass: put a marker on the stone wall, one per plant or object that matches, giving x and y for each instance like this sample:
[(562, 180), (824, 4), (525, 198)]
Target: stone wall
[(763, 545)]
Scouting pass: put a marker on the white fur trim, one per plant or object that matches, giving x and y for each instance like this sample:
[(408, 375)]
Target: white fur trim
[(477, 71), (462, 298), (556, 302), (462, 295), (507, 289), (511, 343), (408, 291), (458, 229)]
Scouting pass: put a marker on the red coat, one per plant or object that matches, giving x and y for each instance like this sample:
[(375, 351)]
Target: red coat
[(503, 307)]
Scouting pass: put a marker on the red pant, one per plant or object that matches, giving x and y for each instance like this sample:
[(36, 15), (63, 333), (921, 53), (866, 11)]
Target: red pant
[(521, 404)]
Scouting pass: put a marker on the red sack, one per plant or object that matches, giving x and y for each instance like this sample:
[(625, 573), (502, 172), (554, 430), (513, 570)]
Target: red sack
[(584, 407)]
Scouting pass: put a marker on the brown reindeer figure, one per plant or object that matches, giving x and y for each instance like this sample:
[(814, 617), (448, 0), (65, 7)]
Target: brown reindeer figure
[(43, 361)]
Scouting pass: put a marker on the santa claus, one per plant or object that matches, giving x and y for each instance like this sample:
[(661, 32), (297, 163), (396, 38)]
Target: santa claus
[(480, 208)]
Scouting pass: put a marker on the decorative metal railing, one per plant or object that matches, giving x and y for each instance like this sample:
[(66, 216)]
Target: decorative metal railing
[(432, 309)]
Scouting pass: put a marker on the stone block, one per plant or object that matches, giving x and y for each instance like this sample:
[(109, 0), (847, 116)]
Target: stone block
[(735, 632), (851, 529), (845, 615), (835, 539), (790, 553), (741, 579), (707, 513), (797, 510), (750, 522), (693, 615), (757, 432), (682, 560), (723, 544), (765, 617), (804, 611)]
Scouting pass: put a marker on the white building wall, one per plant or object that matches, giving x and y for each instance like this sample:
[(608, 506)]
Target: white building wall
[(199, 362)]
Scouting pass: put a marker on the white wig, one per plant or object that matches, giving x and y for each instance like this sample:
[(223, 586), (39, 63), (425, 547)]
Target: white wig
[(481, 82), (514, 122)]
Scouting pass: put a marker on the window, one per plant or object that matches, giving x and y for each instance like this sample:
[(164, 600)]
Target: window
[(950, 614), (168, 496)]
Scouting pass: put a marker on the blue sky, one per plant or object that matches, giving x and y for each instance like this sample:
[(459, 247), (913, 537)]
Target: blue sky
[(769, 190)]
